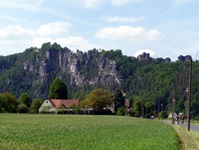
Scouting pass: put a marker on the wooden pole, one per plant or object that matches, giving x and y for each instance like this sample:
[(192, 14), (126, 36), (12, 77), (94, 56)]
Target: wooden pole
[(173, 107), (158, 107), (189, 102)]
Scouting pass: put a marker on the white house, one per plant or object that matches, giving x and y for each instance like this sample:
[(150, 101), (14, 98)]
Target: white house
[(52, 105)]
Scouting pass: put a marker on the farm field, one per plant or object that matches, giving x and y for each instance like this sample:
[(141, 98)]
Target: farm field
[(79, 132)]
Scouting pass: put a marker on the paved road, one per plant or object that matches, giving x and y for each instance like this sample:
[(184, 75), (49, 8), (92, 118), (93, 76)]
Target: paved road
[(185, 125)]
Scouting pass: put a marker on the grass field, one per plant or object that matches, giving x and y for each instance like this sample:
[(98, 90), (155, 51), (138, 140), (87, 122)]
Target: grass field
[(79, 132)]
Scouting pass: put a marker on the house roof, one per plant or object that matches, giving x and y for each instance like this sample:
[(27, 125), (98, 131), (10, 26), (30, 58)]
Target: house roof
[(65, 102)]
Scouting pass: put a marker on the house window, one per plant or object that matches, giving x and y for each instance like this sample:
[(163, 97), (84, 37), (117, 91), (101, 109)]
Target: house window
[(46, 101)]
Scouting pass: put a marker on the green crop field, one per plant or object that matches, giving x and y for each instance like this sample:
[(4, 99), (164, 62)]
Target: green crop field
[(79, 132)]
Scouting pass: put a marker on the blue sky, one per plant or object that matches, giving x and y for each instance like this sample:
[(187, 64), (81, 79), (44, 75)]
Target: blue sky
[(164, 28)]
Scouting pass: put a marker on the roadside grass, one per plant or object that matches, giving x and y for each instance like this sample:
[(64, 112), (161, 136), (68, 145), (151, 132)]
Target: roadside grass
[(189, 140), (79, 132)]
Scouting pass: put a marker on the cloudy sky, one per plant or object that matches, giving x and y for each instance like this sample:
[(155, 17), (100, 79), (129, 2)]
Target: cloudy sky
[(164, 28)]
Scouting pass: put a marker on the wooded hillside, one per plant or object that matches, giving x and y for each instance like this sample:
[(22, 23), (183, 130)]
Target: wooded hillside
[(34, 70)]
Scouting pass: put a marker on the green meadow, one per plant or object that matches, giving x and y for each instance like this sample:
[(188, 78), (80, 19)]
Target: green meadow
[(79, 132)]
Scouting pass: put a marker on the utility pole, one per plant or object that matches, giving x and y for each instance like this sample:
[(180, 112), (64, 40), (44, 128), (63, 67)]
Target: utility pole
[(161, 107), (146, 111), (158, 107), (189, 91), (142, 109), (173, 107)]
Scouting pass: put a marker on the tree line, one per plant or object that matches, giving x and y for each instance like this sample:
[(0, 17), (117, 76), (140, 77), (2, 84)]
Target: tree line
[(9, 103), (101, 100)]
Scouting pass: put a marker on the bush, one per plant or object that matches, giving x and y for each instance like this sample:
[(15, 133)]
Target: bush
[(196, 118), (102, 112), (36, 103), (163, 115), (1, 110), (47, 112), (60, 111), (22, 108), (121, 111)]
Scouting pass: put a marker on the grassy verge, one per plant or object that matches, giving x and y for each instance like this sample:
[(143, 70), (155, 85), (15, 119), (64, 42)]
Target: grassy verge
[(189, 140)]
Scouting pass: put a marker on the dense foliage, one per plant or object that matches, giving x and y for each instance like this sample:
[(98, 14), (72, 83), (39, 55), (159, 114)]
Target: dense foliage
[(25, 99), (22, 72), (142, 108), (8, 103), (83, 132), (98, 99), (36, 103), (58, 90)]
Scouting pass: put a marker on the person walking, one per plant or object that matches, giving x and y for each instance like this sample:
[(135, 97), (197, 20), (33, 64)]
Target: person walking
[(182, 119)]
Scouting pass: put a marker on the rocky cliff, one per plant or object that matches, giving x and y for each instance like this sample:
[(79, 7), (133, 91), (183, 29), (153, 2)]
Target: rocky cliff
[(79, 70)]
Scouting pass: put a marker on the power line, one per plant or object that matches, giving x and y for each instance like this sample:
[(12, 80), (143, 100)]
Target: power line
[(196, 55)]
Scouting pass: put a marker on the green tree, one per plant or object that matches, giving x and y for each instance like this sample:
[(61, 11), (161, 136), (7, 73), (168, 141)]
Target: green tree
[(137, 104), (98, 99), (58, 90), (119, 100), (8, 102), (149, 109), (36, 103), (2, 103), (25, 99)]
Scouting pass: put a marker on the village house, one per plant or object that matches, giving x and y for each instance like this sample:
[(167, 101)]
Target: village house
[(56, 105)]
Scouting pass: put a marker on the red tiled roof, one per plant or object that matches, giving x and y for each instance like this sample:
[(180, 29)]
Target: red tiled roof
[(66, 102)]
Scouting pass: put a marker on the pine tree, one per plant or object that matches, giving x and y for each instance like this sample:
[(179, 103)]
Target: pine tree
[(119, 100)]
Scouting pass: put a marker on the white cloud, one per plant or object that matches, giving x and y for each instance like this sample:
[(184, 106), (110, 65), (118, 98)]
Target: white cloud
[(71, 42), (38, 41), (122, 2), (59, 31), (55, 28), (23, 38), (15, 33), (128, 33), (18, 32), (139, 52), (76, 42), (123, 19)]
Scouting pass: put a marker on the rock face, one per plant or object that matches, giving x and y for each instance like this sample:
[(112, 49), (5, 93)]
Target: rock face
[(76, 69), (162, 60), (144, 57), (107, 71), (167, 60), (184, 58)]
